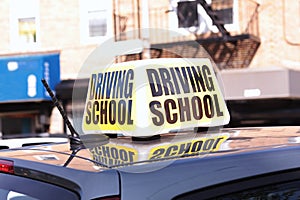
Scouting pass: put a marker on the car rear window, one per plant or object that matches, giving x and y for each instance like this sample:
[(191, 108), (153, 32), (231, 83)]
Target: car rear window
[(21, 188)]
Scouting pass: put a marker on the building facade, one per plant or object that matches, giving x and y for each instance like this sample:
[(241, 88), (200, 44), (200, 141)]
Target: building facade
[(75, 28), (234, 33)]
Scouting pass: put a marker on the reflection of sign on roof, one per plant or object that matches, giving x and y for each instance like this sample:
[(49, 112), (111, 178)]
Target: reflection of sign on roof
[(149, 97), (111, 154), (189, 147), (118, 154)]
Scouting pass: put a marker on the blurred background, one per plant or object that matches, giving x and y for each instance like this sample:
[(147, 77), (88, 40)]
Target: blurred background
[(254, 44)]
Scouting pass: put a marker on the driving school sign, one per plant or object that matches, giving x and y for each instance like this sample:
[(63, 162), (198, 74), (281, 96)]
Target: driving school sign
[(149, 97)]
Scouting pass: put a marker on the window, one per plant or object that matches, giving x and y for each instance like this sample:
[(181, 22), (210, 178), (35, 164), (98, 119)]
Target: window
[(12, 188), (24, 24), (281, 185), (191, 16), (96, 20), (187, 13), (10, 195), (97, 23), (288, 190), (27, 30), (227, 12)]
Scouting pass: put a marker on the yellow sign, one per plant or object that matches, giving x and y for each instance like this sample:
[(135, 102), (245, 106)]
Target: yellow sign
[(110, 104), (150, 97)]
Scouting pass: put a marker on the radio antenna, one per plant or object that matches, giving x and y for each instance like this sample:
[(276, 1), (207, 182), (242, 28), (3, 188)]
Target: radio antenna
[(75, 141), (76, 144)]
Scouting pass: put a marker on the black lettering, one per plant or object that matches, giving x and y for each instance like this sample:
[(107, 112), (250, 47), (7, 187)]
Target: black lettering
[(92, 150), (208, 144), (104, 160), (96, 151), (208, 79), (208, 106), (109, 84), (112, 112), (104, 85), (105, 151), (197, 107), (167, 104), (157, 154), (131, 156), (111, 162), (197, 146), (129, 119), (183, 79), (154, 82), (103, 112), (123, 155), (88, 117), (184, 109), (217, 142), (92, 86), (184, 148), (171, 151), (199, 79), (128, 84), (118, 162), (94, 110), (175, 81), (159, 119), (120, 85), (114, 153), (219, 112), (166, 81), (121, 112), (117, 77), (98, 86), (96, 158), (191, 79)]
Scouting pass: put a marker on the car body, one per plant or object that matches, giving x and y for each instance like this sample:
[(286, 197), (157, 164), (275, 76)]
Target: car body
[(249, 163), (150, 131)]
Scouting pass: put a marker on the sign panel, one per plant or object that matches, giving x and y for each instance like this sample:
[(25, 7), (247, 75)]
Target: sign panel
[(155, 96)]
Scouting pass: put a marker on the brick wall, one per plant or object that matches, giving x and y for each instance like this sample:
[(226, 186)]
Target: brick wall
[(279, 26), (279, 33), (4, 25)]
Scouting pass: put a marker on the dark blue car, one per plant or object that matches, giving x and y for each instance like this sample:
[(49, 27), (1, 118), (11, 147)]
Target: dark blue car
[(154, 130), (245, 163)]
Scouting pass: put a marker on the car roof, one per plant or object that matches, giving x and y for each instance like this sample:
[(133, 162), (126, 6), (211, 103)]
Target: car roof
[(235, 141)]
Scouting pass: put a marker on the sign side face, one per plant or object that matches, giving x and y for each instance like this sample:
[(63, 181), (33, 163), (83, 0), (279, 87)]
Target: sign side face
[(150, 97), (110, 104)]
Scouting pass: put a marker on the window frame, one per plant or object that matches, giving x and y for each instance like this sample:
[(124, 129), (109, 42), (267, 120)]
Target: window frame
[(18, 12), (202, 20), (84, 20)]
